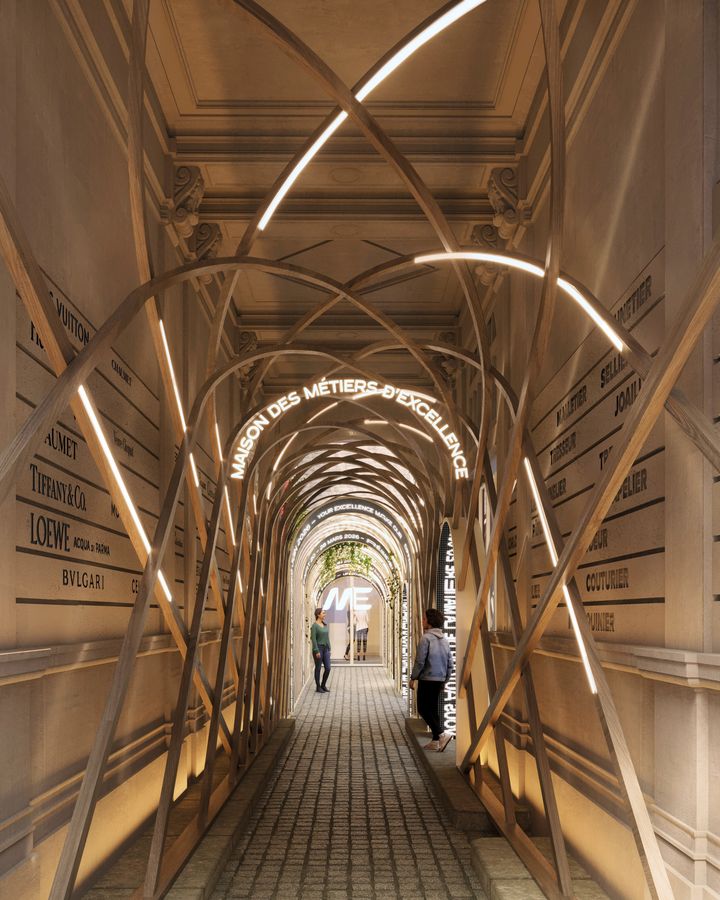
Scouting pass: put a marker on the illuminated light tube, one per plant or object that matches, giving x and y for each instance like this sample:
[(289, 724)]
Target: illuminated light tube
[(268, 491), (282, 452), (366, 394), (100, 434), (267, 652), (230, 520), (219, 442), (172, 375), (375, 421), (500, 259), (239, 581), (312, 418), (164, 586), (417, 431), (196, 478), (582, 302), (554, 559), (451, 16)]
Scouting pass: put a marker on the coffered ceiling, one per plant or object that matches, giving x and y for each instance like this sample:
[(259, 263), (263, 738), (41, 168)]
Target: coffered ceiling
[(238, 108)]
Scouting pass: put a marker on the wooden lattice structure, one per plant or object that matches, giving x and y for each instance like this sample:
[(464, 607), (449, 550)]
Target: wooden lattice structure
[(256, 600)]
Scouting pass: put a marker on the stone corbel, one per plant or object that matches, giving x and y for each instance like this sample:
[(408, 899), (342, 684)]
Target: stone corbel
[(488, 239), (247, 341), (182, 211), (510, 211), (205, 243)]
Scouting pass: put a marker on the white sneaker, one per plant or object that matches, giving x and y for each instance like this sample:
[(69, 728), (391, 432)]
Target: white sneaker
[(444, 740), (432, 745)]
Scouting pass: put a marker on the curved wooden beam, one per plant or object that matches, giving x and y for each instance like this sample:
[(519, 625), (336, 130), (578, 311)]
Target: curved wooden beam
[(77, 372)]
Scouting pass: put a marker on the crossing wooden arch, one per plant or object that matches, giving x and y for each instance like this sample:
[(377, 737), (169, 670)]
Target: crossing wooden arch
[(659, 393)]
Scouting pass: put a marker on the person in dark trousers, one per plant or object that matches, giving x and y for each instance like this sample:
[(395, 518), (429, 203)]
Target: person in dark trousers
[(433, 668), (320, 637)]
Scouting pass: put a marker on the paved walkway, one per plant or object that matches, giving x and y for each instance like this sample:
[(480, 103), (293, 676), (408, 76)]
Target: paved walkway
[(349, 813)]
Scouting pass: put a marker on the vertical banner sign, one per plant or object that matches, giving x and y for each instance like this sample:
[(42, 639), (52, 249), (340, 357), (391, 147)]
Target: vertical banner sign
[(446, 604), (404, 641)]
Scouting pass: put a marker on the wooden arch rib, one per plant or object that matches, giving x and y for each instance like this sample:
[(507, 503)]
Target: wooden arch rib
[(87, 798), (153, 875), (417, 464), (365, 525), (77, 372), (402, 166), (430, 475), (355, 454)]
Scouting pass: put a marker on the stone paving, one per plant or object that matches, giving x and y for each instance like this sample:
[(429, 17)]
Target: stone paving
[(348, 812)]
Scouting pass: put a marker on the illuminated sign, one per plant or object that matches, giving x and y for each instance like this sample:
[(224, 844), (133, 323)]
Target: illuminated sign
[(355, 594), (405, 641), (359, 389), (446, 603)]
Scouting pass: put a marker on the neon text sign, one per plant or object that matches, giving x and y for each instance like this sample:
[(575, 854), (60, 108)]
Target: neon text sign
[(359, 389), (356, 594)]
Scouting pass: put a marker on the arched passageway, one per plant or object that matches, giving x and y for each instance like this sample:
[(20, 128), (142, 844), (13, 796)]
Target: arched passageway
[(405, 343)]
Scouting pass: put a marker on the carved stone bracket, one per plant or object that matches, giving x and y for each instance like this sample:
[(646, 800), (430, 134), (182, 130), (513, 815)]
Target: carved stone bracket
[(247, 341), (503, 195), (487, 238), (205, 244), (188, 191)]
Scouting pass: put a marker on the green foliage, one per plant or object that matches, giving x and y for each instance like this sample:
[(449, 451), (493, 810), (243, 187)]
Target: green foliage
[(348, 553)]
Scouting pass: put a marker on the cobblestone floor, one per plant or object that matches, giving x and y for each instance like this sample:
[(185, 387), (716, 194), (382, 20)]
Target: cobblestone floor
[(349, 814)]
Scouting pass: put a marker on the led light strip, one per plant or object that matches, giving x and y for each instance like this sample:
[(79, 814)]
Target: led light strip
[(178, 401), (282, 452), (500, 259), (554, 559), (416, 431), (327, 408), (100, 434), (230, 521), (427, 34)]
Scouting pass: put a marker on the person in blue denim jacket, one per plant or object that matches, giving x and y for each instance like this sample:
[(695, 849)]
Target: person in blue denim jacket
[(433, 668)]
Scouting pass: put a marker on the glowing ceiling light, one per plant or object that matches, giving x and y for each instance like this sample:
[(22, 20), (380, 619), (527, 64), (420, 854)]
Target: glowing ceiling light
[(417, 431), (376, 422), (282, 452), (554, 558), (196, 478), (327, 408), (396, 60), (164, 586), (100, 434), (230, 518), (582, 302), (500, 259), (107, 452), (178, 401)]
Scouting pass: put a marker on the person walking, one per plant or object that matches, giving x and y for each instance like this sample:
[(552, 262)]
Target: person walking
[(433, 669), (320, 638), (362, 625)]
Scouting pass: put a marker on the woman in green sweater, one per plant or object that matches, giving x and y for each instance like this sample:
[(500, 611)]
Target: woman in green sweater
[(320, 637)]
